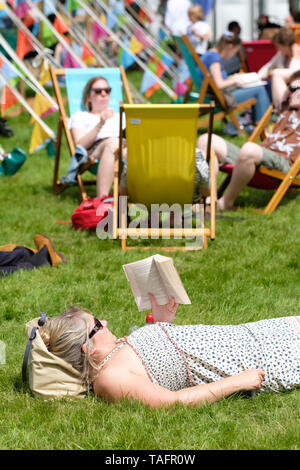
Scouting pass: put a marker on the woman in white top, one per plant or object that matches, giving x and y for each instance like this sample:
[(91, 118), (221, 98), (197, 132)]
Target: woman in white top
[(198, 31), (288, 55), (97, 130)]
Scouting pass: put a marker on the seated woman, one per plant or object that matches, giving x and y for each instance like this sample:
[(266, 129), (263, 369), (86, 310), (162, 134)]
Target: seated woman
[(287, 56), (164, 364), (227, 46), (97, 130)]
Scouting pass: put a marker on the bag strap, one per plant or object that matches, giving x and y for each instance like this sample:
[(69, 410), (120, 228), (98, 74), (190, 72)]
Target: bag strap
[(29, 345)]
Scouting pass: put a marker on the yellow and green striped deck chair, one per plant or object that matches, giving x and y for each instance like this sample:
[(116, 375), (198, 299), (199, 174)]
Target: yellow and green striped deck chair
[(161, 141), (202, 87)]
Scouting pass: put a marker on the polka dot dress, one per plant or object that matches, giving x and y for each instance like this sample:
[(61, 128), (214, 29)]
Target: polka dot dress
[(177, 357)]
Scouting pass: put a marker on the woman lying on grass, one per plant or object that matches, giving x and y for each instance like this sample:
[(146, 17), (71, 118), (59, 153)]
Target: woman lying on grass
[(164, 364)]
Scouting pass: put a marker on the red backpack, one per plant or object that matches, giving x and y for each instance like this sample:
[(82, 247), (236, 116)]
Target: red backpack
[(85, 216)]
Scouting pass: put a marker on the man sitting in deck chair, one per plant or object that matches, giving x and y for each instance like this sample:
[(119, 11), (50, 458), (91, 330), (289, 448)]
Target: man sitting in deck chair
[(278, 151), (96, 131)]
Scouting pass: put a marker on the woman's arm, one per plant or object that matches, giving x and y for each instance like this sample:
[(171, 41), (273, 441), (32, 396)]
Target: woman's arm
[(280, 78), (247, 380), (115, 385), (275, 62), (87, 139), (215, 70), (295, 51)]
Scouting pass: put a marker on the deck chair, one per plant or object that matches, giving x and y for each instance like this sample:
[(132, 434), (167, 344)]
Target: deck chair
[(76, 79), (161, 141), (207, 85), (264, 178), (258, 53)]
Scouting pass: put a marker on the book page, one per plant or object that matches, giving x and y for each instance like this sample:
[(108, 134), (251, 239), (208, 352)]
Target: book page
[(248, 85), (171, 279), (250, 79), (144, 278)]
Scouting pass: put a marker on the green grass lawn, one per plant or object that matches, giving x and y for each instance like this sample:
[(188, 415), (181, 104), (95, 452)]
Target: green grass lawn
[(250, 272)]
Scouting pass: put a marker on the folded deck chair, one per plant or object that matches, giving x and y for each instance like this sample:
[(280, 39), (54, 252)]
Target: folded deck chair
[(264, 178), (76, 79), (161, 142), (206, 87)]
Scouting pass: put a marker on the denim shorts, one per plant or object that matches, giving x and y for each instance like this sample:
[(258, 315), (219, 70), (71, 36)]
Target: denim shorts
[(270, 159)]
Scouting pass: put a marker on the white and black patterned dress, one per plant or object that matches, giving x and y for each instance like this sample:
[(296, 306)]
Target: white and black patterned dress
[(177, 357)]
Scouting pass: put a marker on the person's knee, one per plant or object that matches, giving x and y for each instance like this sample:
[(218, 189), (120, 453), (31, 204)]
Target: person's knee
[(111, 144), (202, 141), (250, 154), (216, 143)]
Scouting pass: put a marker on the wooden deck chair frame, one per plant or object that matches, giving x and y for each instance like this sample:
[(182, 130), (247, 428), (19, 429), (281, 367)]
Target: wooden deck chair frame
[(209, 83), (120, 229), (244, 65), (63, 128), (285, 180)]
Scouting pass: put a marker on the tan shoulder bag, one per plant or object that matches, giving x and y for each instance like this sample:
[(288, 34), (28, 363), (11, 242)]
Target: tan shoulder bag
[(49, 376)]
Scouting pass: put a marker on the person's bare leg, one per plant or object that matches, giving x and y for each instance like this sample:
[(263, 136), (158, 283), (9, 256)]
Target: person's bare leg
[(220, 150), (105, 174), (249, 157)]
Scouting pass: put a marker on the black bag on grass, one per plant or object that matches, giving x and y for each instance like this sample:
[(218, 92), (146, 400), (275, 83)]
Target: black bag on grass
[(5, 129)]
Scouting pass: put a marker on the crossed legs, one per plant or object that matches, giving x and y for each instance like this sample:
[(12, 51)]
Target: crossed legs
[(250, 155), (105, 152)]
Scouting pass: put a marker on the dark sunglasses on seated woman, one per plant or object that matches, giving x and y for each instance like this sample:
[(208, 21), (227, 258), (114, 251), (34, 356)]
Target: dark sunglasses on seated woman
[(293, 88), (98, 91), (98, 326)]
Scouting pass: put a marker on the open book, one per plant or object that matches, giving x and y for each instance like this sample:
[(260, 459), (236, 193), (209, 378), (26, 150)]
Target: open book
[(158, 276), (250, 79)]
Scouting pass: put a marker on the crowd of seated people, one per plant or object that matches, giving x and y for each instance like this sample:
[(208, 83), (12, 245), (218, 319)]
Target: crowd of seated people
[(275, 152), (281, 88)]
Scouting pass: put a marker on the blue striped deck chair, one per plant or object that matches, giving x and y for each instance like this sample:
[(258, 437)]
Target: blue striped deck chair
[(76, 79), (206, 88)]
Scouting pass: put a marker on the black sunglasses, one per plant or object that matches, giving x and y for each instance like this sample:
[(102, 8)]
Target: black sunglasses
[(98, 326), (98, 91), (293, 88)]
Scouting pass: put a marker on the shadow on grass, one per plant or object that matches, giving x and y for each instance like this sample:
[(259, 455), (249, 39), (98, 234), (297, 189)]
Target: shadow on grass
[(19, 386), (259, 198)]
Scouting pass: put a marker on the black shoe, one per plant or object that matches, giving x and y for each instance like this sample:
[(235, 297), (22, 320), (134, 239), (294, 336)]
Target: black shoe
[(5, 129)]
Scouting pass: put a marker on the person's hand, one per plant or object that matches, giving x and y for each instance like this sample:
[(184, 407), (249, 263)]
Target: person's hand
[(165, 313), (251, 379), (238, 79), (106, 114)]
